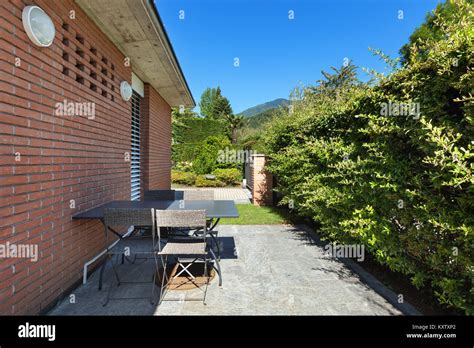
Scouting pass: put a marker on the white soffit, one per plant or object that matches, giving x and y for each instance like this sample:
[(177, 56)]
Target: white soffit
[(135, 28)]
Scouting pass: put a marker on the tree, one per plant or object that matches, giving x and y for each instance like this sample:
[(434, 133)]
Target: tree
[(343, 77), (208, 99), (428, 30), (221, 108), (213, 104), (235, 122)]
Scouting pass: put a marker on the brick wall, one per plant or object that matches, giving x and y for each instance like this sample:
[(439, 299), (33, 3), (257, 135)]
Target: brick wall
[(156, 141), (48, 161)]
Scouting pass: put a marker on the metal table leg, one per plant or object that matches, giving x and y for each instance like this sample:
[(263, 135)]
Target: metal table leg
[(106, 250), (214, 238)]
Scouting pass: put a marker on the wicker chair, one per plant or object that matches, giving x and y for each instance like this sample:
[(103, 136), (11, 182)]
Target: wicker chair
[(159, 195), (204, 195), (186, 251), (128, 244), (198, 195)]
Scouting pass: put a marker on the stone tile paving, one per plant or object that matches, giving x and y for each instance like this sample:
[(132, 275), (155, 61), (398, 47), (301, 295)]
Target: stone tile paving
[(267, 270)]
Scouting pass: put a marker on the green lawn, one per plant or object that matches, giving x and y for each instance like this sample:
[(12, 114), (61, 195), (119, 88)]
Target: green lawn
[(250, 214)]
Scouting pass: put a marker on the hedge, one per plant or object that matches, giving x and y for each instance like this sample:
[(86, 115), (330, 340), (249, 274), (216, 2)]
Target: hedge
[(197, 129), (401, 184)]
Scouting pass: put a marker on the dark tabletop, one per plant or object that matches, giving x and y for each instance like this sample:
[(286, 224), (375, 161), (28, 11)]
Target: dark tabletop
[(214, 209)]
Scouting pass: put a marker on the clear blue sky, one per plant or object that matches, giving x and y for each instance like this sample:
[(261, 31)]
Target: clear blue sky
[(276, 53)]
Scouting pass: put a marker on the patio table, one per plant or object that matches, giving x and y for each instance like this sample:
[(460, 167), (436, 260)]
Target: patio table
[(215, 209)]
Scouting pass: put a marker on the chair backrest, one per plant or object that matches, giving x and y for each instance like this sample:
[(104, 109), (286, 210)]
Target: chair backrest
[(198, 195), (159, 195), (181, 219)]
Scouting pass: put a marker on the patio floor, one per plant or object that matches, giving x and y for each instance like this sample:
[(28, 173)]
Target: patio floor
[(267, 270)]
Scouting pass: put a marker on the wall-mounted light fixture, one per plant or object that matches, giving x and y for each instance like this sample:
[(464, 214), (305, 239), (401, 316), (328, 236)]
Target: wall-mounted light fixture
[(125, 90), (38, 26)]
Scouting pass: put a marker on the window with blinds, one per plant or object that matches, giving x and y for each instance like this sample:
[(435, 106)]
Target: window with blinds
[(135, 151)]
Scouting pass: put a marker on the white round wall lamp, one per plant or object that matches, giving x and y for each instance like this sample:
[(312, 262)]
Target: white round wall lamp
[(38, 26), (125, 90)]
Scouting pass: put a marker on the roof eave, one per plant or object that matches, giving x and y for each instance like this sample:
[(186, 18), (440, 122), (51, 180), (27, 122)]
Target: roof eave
[(137, 31)]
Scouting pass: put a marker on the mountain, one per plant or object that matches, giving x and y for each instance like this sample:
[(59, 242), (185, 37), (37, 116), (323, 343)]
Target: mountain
[(254, 110), (258, 121)]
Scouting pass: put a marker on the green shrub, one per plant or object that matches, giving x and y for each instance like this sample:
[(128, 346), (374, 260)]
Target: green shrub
[(401, 185), (201, 181), (183, 166), (184, 152), (183, 178), (229, 176), (207, 154)]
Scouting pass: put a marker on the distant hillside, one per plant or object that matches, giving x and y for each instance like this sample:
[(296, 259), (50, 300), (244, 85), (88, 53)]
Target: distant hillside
[(264, 107), (259, 120)]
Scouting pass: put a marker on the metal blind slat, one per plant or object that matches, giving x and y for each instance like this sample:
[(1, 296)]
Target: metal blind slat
[(135, 172)]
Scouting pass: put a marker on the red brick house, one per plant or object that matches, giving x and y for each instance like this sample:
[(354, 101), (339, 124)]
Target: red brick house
[(70, 141)]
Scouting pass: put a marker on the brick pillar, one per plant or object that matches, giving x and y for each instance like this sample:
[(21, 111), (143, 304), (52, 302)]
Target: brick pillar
[(262, 181)]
